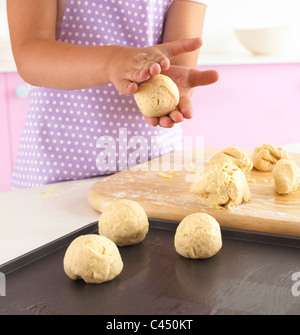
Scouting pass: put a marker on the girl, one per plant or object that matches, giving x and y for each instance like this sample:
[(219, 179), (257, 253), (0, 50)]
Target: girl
[(84, 60)]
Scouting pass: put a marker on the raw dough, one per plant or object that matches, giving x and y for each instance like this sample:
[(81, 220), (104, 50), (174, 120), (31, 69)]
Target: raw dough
[(157, 96), (198, 236), (266, 156), (93, 258), (286, 174), (233, 155), (222, 184), (125, 222)]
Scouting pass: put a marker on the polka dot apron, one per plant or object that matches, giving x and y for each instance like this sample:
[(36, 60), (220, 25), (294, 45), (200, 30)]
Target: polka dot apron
[(96, 131)]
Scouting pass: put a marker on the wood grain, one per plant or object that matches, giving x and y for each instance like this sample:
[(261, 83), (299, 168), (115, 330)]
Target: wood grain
[(170, 199)]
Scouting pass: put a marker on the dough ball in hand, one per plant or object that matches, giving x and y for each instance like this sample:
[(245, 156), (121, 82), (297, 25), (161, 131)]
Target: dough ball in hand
[(233, 155), (222, 184), (198, 236), (93, 258), (157, 96), (266, 156), (125, 222), (286, 174)]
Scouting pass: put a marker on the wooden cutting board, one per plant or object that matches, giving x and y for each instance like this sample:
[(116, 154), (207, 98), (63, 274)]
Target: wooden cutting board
[(168, 197)]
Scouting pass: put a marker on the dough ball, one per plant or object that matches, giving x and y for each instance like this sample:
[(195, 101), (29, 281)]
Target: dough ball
[(198, 236), (157, 96), (93, 258), (266, 156), (222, 184), (233, 155), (286, 174), (125, 222)]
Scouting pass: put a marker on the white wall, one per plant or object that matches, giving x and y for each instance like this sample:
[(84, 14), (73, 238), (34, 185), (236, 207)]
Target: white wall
[(223, 16), (3, 19)]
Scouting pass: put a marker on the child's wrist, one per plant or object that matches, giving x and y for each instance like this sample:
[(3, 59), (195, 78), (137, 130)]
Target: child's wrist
[(113, 61)]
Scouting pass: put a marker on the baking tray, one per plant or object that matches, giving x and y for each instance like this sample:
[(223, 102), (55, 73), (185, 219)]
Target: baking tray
[(253, 273)]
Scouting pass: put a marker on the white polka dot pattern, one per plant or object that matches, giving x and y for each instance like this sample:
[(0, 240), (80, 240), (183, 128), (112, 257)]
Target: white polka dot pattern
[(78, 134)]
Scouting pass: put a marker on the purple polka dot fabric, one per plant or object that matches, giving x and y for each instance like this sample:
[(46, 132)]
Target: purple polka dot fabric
[(96, 131)]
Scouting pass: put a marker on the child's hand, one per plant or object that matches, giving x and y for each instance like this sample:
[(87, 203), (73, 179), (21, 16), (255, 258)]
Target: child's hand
[(186, 79), (131, 66)]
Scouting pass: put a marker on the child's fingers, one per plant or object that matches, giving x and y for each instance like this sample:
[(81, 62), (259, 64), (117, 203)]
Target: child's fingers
[(144, 72), (186, 107), (149, 62), (172, 49), (200, 78), (153, 121), (150, 68), (158, 65), (130, 88), (127, 87), (166, 122), (155, 69), (163, 121), (165, 64), (141, 75), (176, 116)]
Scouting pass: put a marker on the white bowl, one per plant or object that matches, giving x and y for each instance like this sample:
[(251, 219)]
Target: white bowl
[(266, 41)]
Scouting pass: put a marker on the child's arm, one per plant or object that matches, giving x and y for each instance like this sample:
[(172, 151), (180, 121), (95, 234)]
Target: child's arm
[(184, 20), (43, 61)]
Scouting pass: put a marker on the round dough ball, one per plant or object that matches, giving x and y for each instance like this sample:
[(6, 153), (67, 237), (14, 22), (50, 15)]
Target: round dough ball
[(286, 174), (125, 222), (198, 236), (222, 184), (93, 258), (157, 96), (266, 156), (233, 155)]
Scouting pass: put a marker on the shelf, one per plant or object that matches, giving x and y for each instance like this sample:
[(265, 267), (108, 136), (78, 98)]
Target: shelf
[(239, 58)]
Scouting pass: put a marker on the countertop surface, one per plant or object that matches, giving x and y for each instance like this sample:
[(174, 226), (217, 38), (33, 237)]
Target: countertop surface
[(32, 217)]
